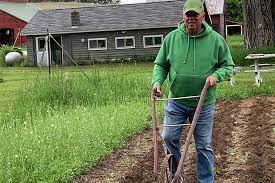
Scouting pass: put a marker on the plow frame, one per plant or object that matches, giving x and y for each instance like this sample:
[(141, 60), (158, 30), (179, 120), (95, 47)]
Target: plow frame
[(155, 128)]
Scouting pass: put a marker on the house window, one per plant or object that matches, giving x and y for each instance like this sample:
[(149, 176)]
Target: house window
[(97, 44), (41, 44), (152, 41), (125, 42)]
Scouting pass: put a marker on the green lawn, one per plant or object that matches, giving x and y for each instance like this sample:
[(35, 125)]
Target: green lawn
[(236, 40)]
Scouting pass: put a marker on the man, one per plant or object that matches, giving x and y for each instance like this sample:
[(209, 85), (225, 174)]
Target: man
[(192, 55)]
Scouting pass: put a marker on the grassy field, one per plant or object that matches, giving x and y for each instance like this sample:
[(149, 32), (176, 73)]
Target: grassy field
[(53, 129)]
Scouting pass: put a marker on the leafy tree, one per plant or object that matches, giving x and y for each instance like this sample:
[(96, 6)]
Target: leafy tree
[(234, 10)]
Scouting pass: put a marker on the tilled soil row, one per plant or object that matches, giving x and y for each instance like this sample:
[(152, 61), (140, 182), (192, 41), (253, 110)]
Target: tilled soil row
[(222, 135), (245, 154), (260, 142)]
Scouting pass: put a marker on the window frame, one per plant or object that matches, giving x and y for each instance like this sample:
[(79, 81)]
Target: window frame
[(125, 47), (152, 36), (38, 49), (97, 39)]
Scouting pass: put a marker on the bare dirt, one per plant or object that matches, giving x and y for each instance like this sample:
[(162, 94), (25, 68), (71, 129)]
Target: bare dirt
[(243, 141)]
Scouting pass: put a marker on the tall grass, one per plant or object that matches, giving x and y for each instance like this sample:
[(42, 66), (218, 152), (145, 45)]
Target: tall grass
[(62, 125), (70, 90), (1, 76), (238, 52)]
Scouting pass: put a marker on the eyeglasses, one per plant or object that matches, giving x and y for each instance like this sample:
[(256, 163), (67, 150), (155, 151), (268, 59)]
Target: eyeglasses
[(192, 14)]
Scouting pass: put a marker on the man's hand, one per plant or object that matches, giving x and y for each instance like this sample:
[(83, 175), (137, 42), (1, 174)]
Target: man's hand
[(157, 91), (211, 80)]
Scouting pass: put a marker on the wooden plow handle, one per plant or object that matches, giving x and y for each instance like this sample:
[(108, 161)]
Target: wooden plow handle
[(190, 133)]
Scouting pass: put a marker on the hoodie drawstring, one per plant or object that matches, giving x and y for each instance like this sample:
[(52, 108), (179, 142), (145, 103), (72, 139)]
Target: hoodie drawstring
[(194, 56), (188, 37), (194, 51)]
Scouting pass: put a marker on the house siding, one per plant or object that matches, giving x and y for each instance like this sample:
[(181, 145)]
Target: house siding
[(30, 50), (81, 53), (67, 45)]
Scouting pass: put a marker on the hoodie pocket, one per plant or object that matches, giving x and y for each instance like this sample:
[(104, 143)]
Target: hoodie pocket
[(187, 85)]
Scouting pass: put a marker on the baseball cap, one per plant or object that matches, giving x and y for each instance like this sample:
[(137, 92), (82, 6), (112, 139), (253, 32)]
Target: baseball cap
[(193, 5)]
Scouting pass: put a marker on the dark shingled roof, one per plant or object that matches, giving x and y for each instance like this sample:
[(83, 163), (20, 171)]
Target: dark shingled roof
[(107, 18)]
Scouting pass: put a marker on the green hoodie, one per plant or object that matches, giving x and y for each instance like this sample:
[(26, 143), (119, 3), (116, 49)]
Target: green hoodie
[(189, 60)]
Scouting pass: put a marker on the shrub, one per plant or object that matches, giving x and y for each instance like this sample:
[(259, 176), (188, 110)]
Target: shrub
[(132, 59)]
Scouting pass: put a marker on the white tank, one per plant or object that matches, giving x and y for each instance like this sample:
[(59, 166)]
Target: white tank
[(12, 57)]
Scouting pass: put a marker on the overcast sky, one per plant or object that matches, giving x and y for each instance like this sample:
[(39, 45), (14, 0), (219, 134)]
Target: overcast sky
[(131, 1)]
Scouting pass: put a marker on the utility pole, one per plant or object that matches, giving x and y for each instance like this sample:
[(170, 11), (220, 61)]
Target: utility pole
[(49, 51)]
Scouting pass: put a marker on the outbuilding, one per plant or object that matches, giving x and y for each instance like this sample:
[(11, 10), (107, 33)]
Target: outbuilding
[(234, 28), (14, 15), (102, 32)]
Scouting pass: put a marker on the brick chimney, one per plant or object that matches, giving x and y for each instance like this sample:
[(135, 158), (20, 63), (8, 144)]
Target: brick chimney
[(75, 18), (15, 1)]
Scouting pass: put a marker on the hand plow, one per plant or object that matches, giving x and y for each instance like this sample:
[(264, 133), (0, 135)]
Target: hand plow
[(169, 161)]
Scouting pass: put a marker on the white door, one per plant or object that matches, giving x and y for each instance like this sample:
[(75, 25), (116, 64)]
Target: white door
[(42, 52)]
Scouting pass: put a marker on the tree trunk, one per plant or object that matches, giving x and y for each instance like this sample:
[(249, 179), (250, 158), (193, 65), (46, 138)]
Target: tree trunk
[(273, 12), (259, 23)]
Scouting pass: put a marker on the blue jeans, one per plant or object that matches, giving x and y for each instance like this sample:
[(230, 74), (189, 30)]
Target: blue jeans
[(177, 113)]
